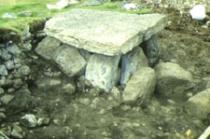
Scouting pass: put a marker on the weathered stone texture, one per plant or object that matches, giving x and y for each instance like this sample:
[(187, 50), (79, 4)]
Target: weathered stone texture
[(131, 62), (140, 86), (104, 32), (102, 71), (173, 80)]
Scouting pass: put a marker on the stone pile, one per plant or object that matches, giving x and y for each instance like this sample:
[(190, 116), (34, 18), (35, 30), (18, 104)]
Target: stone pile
[(105, 47), (12, 71)]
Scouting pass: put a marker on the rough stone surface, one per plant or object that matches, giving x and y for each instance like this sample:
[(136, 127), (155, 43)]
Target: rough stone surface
[(3, 70), (104, 32), (47, 47), (198, 105), (102, 71), (173, 80), (70, 61), (6, 99), (140, 86), (131, 62), (152, 50)]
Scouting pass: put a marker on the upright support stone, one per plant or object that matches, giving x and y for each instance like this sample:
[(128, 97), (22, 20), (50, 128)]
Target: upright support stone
[(152, 50), (131, 62), (69, 60), (102, 71)]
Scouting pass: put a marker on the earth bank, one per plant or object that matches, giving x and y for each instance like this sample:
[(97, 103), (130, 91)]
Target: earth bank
[(38, 101)]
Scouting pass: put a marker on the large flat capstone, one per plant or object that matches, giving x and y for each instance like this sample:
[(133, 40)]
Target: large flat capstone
[(104, 32)]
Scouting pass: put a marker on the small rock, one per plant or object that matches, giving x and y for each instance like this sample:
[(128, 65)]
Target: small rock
[(3, 70), (68, 88), (29, 120), (2, 116), (13, 49), (10, 64), (23, 71), (6, 99), (9, 16), (17, 132), (173, 80), (93, 2), (116, 93), (5, 82), (43, 121), (1, 91), (17, 83), (130, 6), (48, 83), (198, 105), (140, 86), (61, 4), (198, 12), (5, 55)]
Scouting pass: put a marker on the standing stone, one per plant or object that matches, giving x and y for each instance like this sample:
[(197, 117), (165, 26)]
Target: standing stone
[(131, 62), (69, 60), (173, 80), (198, 105), (47, 47), (102, 71), (140, 86), (152, 50)]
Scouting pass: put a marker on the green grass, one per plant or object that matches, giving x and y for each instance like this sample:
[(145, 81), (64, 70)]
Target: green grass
[(39, 11)]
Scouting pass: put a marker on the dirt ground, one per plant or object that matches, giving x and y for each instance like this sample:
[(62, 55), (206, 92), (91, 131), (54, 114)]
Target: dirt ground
[(90, 114)]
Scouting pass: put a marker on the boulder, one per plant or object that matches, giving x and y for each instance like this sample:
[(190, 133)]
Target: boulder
[(104, 32), (48, 47), (198, 105), (69, 60), (172, 80), (102, 71), (131, 62), (140, 86)]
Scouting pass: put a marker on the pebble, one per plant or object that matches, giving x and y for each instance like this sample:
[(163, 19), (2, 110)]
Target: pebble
[(3, 70), (10, 64), (13, 49), (23, 71), (6, 99), (29, 120), (5, 55), (68, 88), (1, 91), (2, 116), (17, 132)]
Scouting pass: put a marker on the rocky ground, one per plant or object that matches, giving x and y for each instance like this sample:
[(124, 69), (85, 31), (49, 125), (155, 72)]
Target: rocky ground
[(38, 102)]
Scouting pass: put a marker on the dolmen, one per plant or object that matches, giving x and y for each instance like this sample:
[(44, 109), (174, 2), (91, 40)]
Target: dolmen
[(105, 47)]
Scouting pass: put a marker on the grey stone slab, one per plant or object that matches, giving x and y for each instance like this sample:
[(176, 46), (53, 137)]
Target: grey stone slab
[(102, 71), (104, 32)]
